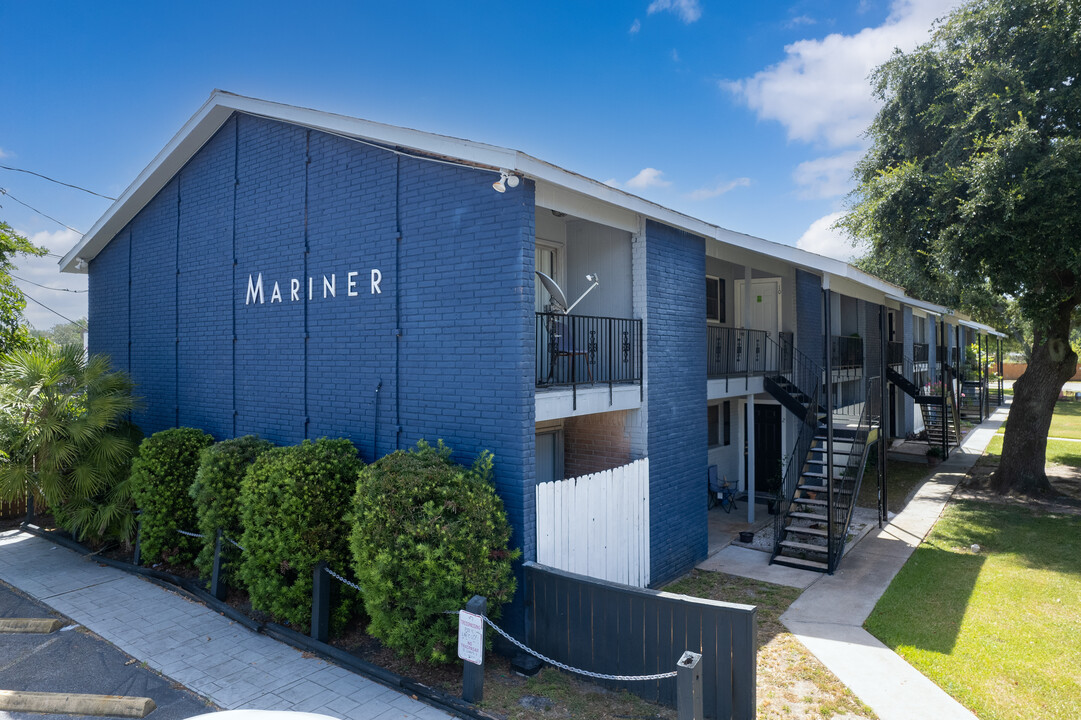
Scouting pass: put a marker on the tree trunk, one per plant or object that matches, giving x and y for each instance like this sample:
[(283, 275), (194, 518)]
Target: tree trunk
[(1024, 448)]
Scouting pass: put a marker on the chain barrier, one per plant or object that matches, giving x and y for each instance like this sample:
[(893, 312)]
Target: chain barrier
[(578, 671), (339, 578), (190, 534), (235, 543)]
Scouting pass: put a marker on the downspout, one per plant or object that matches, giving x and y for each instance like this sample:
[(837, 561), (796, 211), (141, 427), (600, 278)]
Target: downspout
[(883, 493), (397, 302), (307, 253)]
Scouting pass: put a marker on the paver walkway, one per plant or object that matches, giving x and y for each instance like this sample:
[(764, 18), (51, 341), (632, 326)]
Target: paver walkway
[(190, 643)]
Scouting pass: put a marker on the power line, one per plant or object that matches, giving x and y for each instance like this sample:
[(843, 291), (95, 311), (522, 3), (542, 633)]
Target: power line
[(73, 322), (46, 286), (69, 227), (46, 177)]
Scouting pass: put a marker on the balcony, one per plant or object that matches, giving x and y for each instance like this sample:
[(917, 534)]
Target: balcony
[(846, 352), (895, 353), (574, 350), (920, 352), (739, 352)]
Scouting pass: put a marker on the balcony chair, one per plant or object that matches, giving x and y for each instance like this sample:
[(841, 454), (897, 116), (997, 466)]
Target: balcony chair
[(561, 345)]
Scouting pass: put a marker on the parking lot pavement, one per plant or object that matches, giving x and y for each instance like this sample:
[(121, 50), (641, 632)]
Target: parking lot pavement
[(77, 661)]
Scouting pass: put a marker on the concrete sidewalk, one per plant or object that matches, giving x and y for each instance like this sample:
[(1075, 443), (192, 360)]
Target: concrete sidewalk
[(190, 643), (828, 617)]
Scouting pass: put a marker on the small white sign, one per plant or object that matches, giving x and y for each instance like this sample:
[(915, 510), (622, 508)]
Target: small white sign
[(471, 637)]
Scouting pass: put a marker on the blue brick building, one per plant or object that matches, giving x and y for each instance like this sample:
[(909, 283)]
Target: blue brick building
[(296, 274)]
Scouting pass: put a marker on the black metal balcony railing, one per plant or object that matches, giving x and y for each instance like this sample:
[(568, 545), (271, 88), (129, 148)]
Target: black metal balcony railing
[(920, 352), (584, 349), (895, 352), (846, 352), (733, 352)]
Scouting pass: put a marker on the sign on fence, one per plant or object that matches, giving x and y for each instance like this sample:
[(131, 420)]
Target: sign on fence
[(470, 637)]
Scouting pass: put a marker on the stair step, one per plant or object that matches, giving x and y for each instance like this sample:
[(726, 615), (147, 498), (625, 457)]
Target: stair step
[(804, 530), (811, 501), (821, 476), (805, 547), (800, 563), (809, 516), (813, 488)]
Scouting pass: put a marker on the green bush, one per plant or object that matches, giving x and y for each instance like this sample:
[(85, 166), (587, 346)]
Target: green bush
[(216, 492), (161, 474), (292, 503), (428, 535)]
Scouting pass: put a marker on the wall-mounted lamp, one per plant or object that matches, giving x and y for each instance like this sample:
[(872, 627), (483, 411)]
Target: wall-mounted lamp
[(79, 263), (505, 181)]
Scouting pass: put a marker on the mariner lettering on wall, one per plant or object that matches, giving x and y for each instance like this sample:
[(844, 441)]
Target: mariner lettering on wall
[(257, 295)]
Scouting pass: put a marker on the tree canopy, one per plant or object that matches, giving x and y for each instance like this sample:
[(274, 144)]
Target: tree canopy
[(13, 332), (971, 192)]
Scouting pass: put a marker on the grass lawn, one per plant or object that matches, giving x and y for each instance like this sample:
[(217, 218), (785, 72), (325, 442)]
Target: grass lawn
[(1066, 422), (998, 629), (792, 683), (901, 478), (1062, 452)]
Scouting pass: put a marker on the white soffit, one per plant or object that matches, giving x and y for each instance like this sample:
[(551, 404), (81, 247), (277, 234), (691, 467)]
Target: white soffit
[(931, 308)]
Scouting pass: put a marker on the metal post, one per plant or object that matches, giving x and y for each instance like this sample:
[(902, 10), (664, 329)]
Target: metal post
[(689, 687), (827, 303), (320, 602), (217, 587), (883, 443), (30, 508), (472, 674)]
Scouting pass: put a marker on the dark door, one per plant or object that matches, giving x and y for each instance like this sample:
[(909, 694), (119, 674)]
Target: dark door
[(767, 448)]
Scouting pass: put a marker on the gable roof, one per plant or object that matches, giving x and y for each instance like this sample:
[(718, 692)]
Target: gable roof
[(221, 105)]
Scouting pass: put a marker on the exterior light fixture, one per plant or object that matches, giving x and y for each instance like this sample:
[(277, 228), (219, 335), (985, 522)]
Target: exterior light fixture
[(79, 263), (505, 180)]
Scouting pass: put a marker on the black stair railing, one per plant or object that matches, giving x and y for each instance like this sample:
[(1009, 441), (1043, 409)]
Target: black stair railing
[(804, 376), (847, 482)]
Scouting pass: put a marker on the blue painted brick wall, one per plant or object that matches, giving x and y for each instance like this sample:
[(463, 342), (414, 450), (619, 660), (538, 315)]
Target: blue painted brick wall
[(675, 266), (809, 327), (291, 203)]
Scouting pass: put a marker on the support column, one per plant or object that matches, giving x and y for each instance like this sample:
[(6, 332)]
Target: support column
[(883, 435), (750, 459), (827, 304)]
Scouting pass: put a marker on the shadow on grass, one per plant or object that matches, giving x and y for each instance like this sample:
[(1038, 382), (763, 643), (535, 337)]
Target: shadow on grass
[(926, 602)]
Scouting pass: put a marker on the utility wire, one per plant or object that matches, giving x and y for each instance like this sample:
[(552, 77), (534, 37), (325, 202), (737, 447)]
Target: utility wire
[(69, 227), (73, 322), (46, 286), (46, 177)]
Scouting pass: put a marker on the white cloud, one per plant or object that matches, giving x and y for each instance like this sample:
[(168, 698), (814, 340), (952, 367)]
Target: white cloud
[(635, 26), (826, 177), (39, 271), (720, 189), (821, 238), (821, 91), (801, 20), (647, 178), (688, 10), (675, 55), (4, 153)]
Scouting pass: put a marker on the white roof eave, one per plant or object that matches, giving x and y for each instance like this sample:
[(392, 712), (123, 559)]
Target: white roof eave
[(221, 105)]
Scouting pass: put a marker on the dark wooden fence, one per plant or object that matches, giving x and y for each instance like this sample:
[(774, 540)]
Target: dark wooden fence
[(13, 509), (617, 629)]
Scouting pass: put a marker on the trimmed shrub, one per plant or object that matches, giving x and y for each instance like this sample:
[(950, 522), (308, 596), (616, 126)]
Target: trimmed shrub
[(428, 534), (216, 492), (161, 474), (292, 502)]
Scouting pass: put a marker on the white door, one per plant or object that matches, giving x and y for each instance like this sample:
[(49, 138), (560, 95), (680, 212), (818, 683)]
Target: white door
[(765, 304)]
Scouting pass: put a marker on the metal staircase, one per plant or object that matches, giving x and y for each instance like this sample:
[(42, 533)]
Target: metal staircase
[(824, 471), (937, 403)]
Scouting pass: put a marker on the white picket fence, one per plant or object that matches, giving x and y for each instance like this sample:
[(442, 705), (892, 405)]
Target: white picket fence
[(597, 525)]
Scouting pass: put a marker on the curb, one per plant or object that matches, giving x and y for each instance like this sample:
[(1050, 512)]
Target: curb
[(328, 653), (30, 625), (75, 704)]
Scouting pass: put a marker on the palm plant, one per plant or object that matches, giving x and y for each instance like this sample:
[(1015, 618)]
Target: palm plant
[(66, 442)]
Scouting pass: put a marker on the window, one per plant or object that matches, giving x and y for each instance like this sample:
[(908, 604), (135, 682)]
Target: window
[(713, 424), (719, 424), (714, 299), (727, 416)]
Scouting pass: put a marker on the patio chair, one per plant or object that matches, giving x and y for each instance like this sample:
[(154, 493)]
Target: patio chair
[(561, 345)]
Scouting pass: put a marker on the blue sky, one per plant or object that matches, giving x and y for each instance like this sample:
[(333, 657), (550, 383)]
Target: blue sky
[(747, 115)]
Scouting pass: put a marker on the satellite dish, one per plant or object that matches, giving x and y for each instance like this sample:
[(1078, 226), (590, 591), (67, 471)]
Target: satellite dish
[(559, 300)]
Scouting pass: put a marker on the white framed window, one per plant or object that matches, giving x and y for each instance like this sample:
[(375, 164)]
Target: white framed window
[(714, 299), (548, 259)]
